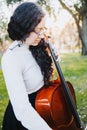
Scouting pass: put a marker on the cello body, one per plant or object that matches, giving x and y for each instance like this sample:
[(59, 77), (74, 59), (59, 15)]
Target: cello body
[(52, 106)]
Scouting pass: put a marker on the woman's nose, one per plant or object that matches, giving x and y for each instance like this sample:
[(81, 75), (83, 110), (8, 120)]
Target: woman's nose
[(41, 35)]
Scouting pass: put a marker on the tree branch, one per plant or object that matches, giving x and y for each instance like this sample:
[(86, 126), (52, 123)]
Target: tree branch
[(69, 10)]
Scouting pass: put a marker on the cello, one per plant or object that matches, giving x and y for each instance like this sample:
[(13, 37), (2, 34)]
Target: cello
[(56, 103)]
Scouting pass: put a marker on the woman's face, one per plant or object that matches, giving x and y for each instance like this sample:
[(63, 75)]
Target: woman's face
[(38, 33)]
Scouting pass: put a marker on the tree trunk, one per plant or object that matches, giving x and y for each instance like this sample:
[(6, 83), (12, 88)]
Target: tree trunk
[(84, 35)]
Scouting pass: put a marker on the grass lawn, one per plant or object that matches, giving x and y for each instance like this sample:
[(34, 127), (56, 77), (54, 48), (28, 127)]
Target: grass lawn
[(74, 68), (3, 97)]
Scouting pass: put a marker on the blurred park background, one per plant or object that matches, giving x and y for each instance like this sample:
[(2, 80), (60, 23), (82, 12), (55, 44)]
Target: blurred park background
[(67, 27)]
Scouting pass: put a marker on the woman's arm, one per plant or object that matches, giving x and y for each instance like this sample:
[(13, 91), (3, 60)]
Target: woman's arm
[(23, 110)]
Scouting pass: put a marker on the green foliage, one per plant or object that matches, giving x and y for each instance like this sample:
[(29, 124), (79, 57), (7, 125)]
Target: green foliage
[(46, 4), (82, 7), (12, 1), (42, 2)]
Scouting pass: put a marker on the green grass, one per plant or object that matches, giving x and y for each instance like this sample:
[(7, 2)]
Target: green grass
[(3, 98), (74, 68)]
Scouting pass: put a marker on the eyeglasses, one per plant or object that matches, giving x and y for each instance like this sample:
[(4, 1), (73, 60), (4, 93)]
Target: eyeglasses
[(40, 31)]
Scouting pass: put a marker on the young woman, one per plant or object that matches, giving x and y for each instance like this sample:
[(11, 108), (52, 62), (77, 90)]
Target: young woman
[(26, 67)]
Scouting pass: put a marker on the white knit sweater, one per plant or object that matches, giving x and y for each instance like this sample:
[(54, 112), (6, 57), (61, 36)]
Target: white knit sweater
[(23, 76)]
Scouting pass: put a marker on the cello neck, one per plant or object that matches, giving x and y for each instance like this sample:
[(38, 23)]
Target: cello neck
[(65, 88)]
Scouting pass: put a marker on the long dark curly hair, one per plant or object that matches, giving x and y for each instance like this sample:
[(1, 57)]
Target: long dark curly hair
[(24, 20), (43, 59)]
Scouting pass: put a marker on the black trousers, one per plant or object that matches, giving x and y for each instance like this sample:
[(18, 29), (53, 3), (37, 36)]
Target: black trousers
[(9, 121)]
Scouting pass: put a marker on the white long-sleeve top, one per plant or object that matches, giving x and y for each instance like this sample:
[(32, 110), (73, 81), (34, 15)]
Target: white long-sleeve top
[(23, 76)]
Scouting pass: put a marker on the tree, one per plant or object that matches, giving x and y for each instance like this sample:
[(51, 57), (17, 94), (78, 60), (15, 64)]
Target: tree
[(78, 11)]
